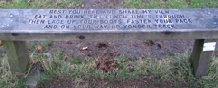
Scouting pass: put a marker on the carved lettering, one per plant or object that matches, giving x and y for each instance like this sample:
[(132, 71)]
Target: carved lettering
[(74, 11), (40, 16), (71, 21), (65, 26), (109, 12), (162, 11), (55, 16), (91, 12), (183, 21), (146, 11), (101, 26), (112, 19), (115, 26), (163, 21), (57, 11), (170, 16), (138, 21), (141, 16), (36, 21), (51, 26), (163, 25), (82, 26), (136, 26), (74, 16), (128, 12), (55, 21)]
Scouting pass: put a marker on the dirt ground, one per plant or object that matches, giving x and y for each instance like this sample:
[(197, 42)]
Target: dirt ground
[(138, 83), (137, 49)]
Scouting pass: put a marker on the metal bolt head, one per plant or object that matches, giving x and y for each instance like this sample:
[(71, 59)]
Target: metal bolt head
[(11, 15)]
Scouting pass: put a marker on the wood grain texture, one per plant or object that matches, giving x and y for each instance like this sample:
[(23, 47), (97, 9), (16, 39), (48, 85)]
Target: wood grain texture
[(110, 36), (107, 24)]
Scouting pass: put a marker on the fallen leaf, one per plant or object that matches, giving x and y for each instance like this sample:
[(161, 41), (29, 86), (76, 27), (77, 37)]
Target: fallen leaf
[(102, 44), (65, 56), (106, 83), (84, 48), (130, 68), (113, 65), (148, 58), (40, 49), (94, 66), (82, 5), (69, 42), (1, 43), (72, 7), (150, 42), (159, 45)]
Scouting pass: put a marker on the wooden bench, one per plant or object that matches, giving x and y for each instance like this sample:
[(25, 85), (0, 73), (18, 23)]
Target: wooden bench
[(20, 25)]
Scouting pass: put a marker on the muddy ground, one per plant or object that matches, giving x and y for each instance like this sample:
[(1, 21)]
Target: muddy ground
[(137, 49)]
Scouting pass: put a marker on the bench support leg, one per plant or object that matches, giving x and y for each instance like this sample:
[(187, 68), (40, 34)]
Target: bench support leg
[(201, 57), (18, 56)]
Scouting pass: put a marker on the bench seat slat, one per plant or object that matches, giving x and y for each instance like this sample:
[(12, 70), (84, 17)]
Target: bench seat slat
[(108, 24)]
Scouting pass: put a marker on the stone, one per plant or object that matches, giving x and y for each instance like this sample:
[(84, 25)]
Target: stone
[(33, 80), (48, 55)]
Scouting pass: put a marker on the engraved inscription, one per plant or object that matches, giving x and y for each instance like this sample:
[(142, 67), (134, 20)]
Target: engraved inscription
[(111, 19), (36, 21)]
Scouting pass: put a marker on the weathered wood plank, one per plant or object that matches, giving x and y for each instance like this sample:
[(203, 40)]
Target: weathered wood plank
[(108, 24), (109, 36), (201, 55), (18, 56)]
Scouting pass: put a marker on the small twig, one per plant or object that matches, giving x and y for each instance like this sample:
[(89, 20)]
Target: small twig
[(214, 75), (31, 63)]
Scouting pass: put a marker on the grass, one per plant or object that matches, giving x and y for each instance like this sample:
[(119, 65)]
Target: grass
[(137, 4), (167, 70), (39, 4), (169, 4), (175, 70), (44, 44)]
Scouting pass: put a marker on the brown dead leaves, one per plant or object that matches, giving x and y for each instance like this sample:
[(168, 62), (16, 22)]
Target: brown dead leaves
[(84, 48), (40, 49), (106, 64), (82, 5), (1, 43), (69, 42), (105, 61), (102, 44)]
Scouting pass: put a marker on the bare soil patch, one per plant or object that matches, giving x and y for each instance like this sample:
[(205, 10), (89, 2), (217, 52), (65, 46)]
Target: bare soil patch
[(137, 49), (149, 82)]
